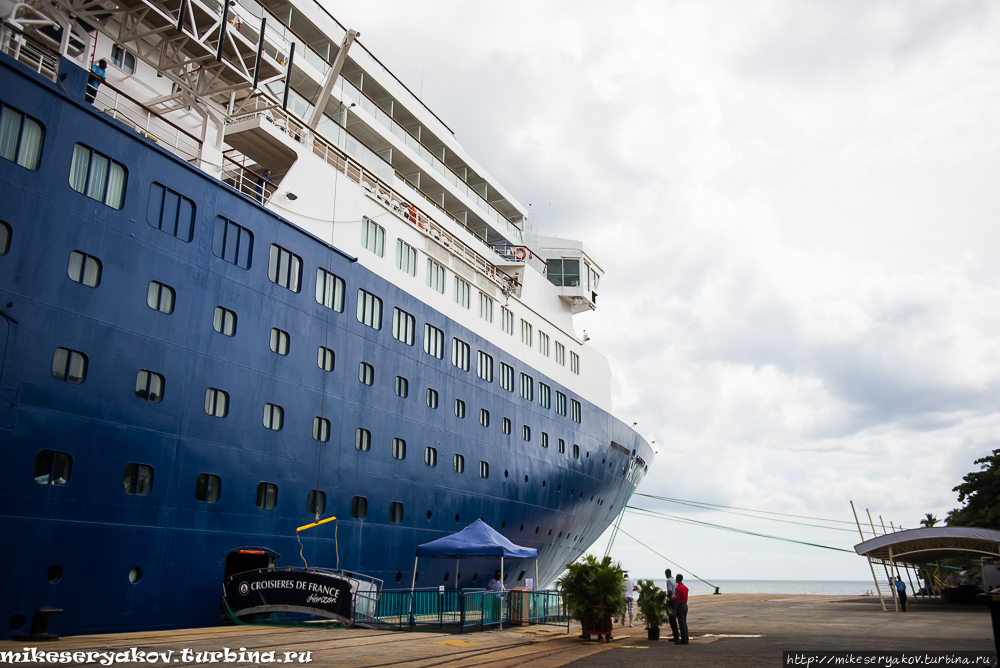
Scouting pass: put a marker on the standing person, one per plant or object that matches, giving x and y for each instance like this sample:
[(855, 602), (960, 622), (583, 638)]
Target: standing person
[(901, 592), (629, 599), (97, 74), (262, 178), (681, 597), (495, 584), (672, 605)]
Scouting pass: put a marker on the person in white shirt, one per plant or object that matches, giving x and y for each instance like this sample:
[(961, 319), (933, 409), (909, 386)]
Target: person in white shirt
[(671, 605), (629, 598), (495, 584)]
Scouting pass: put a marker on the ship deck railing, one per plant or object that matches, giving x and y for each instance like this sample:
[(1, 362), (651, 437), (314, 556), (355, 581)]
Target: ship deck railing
[(459, 610)]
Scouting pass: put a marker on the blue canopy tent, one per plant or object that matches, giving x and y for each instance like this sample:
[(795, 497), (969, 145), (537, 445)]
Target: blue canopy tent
[(476, 541)]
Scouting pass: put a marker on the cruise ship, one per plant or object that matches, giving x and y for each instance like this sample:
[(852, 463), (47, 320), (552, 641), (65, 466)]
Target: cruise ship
[(249, 281)]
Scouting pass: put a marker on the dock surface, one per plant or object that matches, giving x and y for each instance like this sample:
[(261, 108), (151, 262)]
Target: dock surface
[(732, 630)]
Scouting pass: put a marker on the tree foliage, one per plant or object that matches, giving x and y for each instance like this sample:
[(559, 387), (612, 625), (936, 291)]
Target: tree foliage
[(590, 582), (652, 603), (981, 494), (929, 520)]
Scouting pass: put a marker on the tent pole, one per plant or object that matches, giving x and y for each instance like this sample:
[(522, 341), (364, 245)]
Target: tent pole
[(456, 573), (536, 587), (413, 585), (501, 572)]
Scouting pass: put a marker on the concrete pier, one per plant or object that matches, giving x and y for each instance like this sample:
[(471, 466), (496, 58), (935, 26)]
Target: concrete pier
[(731, 630)]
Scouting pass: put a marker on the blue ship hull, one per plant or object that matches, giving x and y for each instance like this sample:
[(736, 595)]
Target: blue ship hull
[(114, 560)]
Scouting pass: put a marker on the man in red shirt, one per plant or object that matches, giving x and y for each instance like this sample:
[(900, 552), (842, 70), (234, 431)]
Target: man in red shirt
[(681, 597)]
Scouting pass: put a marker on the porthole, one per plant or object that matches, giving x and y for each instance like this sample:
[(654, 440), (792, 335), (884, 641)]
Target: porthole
[(522, 527), (17, 622), (445, 577), (537, 528), (550, 532), (571, 492), (559, 488), (428, 514), (591, 497), (135, 575), (503, 524), (399, 576), (54, 574), (475, 576), (525, 478), (543, 483), (603, 459), (456, 518), (505, 473)]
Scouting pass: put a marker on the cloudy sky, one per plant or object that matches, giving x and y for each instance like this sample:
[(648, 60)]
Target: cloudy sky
[(796, 206)]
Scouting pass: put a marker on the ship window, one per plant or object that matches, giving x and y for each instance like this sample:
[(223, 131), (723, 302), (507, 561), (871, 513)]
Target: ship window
[(527, 387), (575, 410), (431, 457), (563, 273), (507, 377), (138, 479), (321, 429), (325, 359), (20, 138), (284, 268), (404, 326), (406, 257), (366, 373), (398, 448), (560, 354), (363, 440), (369, 309), (435, 276), (274, 417), (543, 343), (69, 365), (576, 451), (545, 440), (459, 408), (53, 467), (373, 237), (485, 307), (574, 362), (485, 367), (505, 425), (484, 417), (330, 290), (316, 502), (98, 176), (460, 354), (402, 387), (526, 432), (395, 512), (433, 341), (170, 212), (5, 233), (267, 495), (507, 320), (544, 396), (359, 507), (484, 470), (232, 243), (123, 59), (160, 297), (149, 386), (560, 403), (280, 341), (458, 463), (85, 269), (562, 448), (208, 488), (432, 398), (216, 402), (526, 337), (224, 321), (463, 293)]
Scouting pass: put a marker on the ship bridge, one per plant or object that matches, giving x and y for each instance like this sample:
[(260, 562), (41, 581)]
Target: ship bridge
[(570, 267)]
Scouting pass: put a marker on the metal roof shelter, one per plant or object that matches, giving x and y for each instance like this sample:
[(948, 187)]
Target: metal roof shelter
[(919, 547)]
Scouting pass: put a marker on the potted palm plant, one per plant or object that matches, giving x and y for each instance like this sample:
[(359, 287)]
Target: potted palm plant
[(653, 606), (592, 591)]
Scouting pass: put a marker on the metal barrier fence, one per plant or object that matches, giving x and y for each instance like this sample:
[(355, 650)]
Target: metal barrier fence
[(466, 610)]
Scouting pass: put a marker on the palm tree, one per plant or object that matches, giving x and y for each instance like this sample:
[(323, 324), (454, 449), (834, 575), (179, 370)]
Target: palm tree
[(929, 520)]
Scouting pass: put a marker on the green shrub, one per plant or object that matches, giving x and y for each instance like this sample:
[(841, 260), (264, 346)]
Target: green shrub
[(652, 603), (592, 583)]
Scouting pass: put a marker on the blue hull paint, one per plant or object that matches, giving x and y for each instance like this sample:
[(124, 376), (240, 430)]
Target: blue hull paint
[(96, 534)]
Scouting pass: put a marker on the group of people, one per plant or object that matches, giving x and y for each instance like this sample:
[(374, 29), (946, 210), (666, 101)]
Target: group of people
[(677, 605)]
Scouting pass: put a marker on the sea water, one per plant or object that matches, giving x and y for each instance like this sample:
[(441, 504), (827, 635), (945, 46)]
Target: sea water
[(825, 587)]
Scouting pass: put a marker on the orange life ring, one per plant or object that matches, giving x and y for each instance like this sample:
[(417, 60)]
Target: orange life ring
[(413, 214), (520, 254)]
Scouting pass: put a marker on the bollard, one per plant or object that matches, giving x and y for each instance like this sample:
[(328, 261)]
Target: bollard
[(717, 592), (40, 625)]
